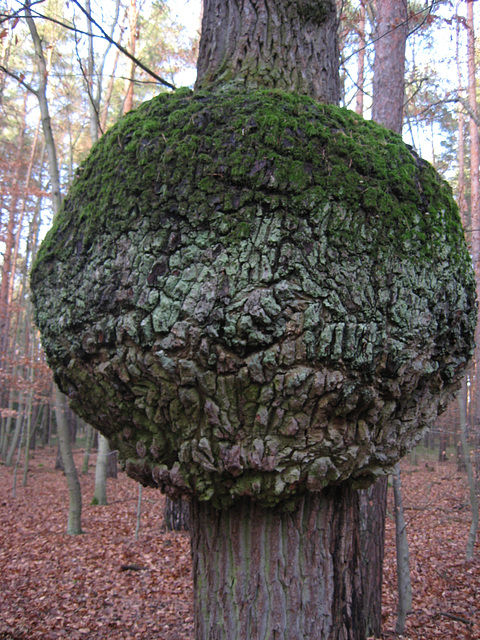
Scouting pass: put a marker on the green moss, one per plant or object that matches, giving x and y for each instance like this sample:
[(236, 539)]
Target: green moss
[(186, 146)]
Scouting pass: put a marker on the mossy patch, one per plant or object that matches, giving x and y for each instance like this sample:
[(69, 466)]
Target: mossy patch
[(192, 154)]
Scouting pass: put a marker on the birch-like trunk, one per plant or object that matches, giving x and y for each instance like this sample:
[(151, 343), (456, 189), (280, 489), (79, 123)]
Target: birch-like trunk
[(264, 573)]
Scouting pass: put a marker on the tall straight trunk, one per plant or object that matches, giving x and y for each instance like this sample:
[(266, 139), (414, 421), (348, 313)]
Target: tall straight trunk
[(472, 536), (41, 94), (100, 491), (287, 45), (74, 524), (389, 64), (361, 59), (263, 573), (474, 141), (89, 438), (387, 109), (133, 26), (403, 561), (474, 185), (462, 203), (18, 427)]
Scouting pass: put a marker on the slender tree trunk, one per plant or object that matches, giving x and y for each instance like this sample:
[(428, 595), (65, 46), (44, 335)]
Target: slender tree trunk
[(41, 94), (18, 427), (89, 437), (266, 573), (286, 45), (361, 59), (389, 64), (139, 512), (100, 492), (387, 109), (74, 525), (462, 402), (133, 25), (403, 562), (474, 141)]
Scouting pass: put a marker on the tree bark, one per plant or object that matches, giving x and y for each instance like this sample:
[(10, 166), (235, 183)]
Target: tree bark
[(373, 509), (129, 82), (361, 60), (403, 561), (389, 64), (100, 491), (285, 45), (41, 94), (472, 536), (474, 141), (264, 573), (176, 514), (74, 525)]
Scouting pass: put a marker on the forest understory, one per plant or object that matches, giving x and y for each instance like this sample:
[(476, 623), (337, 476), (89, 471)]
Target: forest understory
[(105, 584)]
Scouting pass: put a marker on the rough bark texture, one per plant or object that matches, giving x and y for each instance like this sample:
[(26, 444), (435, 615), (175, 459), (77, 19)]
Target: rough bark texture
[(289, 45), (176, 514), (256, 295), (373, 507), (266, 573), (389, 64)]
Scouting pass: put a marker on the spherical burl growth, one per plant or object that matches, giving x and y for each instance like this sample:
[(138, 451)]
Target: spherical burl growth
[(251, 293)]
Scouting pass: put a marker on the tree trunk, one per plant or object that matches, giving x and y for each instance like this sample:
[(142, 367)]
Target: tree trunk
[(361, 60), (389, 64), (74, 525), (100, 491), (264, 573), (41, 94), (403, 561), (373, 509), (176, 514), (472, 536), (132, 19), (286, 45)]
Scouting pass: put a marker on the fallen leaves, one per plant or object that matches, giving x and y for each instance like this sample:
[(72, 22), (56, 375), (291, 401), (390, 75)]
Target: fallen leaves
[(104, 584)]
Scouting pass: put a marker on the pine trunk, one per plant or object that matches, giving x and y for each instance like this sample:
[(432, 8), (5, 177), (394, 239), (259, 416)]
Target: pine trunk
[(389, 64), (264, 573)]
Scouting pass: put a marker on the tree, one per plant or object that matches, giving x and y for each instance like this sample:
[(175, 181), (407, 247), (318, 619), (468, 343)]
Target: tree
[(74, 524), (387, 109), (237, 339)]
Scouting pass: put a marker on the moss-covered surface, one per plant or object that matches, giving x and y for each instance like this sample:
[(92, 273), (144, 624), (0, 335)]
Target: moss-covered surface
[(252, 293)]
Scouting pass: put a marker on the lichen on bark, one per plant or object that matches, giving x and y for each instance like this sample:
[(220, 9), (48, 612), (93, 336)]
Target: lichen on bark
[(253, 294)]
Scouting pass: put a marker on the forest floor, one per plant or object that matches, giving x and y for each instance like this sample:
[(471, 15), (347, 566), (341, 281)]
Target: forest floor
[(54, 586)]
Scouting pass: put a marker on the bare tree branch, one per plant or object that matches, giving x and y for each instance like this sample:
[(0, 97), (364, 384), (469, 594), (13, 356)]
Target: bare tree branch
[(122, 49), (104, 35)]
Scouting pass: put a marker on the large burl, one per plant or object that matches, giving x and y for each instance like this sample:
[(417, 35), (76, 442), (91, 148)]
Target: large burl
[(251, 293)]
